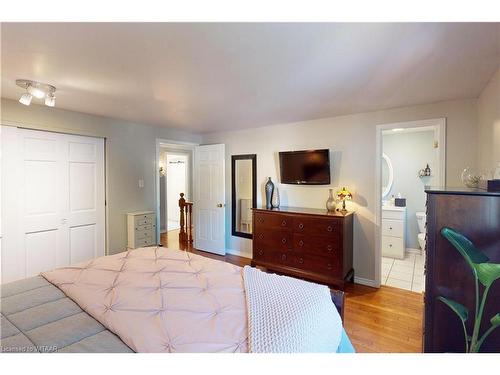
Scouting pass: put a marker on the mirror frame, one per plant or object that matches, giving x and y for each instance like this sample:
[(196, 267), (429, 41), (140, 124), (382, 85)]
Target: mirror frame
[(234, 158), (390, 182)]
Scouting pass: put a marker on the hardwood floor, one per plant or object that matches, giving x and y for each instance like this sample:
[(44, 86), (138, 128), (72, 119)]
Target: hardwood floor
[(385, 320)]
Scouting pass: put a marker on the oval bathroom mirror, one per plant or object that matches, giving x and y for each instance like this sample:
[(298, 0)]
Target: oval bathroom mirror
[(387, 175)]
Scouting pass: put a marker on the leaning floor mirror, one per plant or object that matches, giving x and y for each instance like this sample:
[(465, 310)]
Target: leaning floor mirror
[(244, 193)]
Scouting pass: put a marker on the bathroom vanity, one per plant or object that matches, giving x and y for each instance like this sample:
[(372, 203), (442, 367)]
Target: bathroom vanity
[(393, 231)]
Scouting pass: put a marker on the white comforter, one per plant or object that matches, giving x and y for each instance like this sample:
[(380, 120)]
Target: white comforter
[(164, 300), (287, 315)]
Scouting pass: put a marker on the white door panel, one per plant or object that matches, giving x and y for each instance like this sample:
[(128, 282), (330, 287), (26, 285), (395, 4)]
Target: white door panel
[(209, 198), (56, 198)]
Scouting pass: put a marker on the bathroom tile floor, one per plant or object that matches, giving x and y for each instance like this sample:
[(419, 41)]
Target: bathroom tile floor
[(407, 273)]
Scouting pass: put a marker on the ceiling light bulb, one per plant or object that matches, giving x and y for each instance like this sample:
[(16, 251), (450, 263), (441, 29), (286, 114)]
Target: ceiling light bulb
[(50, 101), (36, 92), (26, 99)]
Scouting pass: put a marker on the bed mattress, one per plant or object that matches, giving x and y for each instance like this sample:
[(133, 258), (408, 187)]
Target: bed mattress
[(36, 316)]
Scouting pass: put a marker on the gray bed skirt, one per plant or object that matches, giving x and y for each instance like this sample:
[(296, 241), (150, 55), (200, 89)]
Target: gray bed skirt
[(36, 316)]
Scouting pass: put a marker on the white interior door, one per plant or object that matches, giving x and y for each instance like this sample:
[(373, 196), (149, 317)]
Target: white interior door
[(209, 198), (54, 198)]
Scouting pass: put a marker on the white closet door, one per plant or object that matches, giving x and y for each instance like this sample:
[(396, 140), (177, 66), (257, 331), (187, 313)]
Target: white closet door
[(41, 201), (85, 192), (55, 201)]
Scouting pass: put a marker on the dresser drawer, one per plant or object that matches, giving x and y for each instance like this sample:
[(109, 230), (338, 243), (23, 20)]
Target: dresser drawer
[(317, 226), (140, 234), (393, 228), (144, 219), (266, 221), (141, 242), (145, 227), (393, 247), (393, 214), (277, 239), (282, 258), (321, 265), (320, 245)]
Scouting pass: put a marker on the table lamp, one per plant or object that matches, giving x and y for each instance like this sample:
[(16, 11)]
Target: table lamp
[(344, 195)]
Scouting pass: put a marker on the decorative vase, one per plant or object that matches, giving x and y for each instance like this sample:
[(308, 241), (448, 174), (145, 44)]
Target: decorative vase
[(330, 203), (269, 192), (470, 177), (275, 200)]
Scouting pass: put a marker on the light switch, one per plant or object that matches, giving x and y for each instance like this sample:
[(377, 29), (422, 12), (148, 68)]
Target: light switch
[(141, 183)]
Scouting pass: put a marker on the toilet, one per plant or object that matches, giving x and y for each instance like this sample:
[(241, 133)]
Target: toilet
[(421, 228)]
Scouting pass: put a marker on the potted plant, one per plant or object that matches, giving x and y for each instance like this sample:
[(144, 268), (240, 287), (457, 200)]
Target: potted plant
[(485, 273)]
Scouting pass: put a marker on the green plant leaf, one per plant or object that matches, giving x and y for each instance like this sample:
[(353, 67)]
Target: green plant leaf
[(487, 273), (495, 321), (458, 308), (464, 246)]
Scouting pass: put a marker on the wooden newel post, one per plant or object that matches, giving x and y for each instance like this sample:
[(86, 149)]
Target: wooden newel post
[(190, 237), (182, 232)]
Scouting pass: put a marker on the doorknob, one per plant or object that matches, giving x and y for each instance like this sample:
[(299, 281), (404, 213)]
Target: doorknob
[(219, 205)]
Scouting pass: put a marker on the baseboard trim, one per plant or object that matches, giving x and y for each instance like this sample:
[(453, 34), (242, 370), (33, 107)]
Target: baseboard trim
[(367, 282), (239, 253)]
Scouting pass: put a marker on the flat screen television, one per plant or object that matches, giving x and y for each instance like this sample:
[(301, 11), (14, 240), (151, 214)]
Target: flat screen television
[(311, 167)]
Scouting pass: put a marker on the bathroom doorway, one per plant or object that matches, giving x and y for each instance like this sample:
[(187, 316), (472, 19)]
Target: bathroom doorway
[(411, 159)]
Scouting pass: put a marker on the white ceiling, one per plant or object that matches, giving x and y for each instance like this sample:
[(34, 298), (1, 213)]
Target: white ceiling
[(209, 77)]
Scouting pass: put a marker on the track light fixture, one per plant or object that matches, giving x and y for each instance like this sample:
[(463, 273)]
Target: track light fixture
[(38, 90)]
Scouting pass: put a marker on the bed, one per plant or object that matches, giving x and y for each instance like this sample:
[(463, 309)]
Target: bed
[(165, 300)]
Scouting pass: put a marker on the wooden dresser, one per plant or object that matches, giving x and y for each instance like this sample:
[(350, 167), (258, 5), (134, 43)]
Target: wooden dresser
[(306, 243), (476, 214)]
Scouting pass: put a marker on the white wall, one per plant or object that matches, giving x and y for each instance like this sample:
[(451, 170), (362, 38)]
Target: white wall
[(351, 140), (410, 152), (488, 109), (130, 156)]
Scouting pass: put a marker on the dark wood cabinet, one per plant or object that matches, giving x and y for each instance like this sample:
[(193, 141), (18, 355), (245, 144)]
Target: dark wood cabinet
[(306, 243), (476, 214)]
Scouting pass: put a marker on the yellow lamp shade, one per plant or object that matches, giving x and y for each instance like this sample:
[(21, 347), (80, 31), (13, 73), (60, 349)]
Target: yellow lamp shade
[(344, 194)]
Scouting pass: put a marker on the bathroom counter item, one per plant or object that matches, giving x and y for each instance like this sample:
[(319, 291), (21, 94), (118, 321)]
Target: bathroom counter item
[(476, 214), (393, 231)]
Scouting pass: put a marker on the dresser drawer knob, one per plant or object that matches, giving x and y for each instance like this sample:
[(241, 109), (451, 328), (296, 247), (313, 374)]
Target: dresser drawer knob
[(301, 226), (283, 240), (390, 228), (301, 243), (390, 245), (329, 247), (301, 260), (283, 223), (329, 228), (261, 252), (283, 257)]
